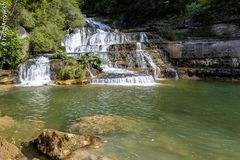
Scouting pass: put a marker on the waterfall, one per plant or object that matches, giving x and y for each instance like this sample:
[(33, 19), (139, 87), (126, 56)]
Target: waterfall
[(35, 72), (98, 38)]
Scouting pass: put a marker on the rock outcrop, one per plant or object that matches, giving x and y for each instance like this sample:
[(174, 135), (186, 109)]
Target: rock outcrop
[(213, 58), (60, 145), (9, 151), (7, 77)]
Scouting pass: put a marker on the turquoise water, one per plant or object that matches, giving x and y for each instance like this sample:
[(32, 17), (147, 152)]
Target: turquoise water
[(179, 120)]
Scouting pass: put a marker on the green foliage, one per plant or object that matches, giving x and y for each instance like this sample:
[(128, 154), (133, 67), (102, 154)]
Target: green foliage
[(71, 70), (59, 55), (171, 35), (11, 54), (205, 10), (136, 12), (26, 19), (46, 39), (76, 68), (91, 60), (46, 20)]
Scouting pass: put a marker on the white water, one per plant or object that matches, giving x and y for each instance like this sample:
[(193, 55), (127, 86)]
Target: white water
[(98, 39), (94, 24), (135, 80), (35, 72)]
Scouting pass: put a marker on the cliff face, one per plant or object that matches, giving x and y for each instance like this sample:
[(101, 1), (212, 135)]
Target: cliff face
[(214, 58)]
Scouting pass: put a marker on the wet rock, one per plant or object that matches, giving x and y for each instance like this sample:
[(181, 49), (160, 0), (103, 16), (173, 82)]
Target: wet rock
[(9, 151), (73, 82), (102, 124), (59, 145)]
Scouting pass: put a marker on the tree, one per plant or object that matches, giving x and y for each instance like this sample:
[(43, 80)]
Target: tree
[(11, 54)]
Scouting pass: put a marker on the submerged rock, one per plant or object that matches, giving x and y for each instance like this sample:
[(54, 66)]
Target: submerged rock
[(6, 122), (87, 155), (59, 145), (19, 130), (9, 151), (102, 124)]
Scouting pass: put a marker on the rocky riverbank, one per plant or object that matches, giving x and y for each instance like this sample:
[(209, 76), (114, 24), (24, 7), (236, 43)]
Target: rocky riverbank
[(8, 77), (206, 59), (80, 143)]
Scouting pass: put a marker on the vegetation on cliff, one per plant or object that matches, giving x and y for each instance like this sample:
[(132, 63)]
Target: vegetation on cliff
[(73, 68), (136, 12)]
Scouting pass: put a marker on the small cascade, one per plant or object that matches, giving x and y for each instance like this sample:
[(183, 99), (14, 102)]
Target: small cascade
[(143, 37), (98, 38), (145, 56), (177, 75), (94, 24), (35, 72)]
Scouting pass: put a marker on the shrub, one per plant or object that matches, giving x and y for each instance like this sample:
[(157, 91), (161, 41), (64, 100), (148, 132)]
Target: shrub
[(12, 53), (26, 19), (59, 55), (46, 39), (71, 72), (92, 60), (75, 69)]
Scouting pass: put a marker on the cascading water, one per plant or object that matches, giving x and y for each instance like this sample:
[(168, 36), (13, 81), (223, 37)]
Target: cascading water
[(35, 72), (98, 39)]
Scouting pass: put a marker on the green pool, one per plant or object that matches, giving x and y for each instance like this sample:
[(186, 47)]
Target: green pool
[(192, 120)]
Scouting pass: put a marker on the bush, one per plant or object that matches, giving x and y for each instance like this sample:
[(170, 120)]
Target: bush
[(12, 53), (59, 55), (46, 39), (92, 60), (171, 35), (75, 69), (71, 72), (26, 19)]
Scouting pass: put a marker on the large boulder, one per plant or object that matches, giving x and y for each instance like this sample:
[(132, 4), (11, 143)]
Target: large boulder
[(103, 124), (9, 151), (59, 145)]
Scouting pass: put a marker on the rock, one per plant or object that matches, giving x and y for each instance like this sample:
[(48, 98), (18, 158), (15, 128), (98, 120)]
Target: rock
[(59, 145), (225, 30), (22, 32), (6, 122), (9, 151), (7, 77), (73, 82), (102, 124)]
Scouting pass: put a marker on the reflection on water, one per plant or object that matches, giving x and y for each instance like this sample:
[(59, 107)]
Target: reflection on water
[(180, 120)]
